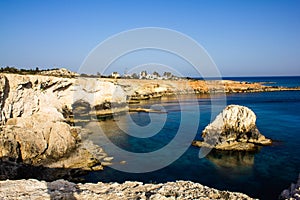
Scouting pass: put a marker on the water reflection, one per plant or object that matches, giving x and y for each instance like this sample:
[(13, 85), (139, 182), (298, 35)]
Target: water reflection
[(231, 163), (101, 131)]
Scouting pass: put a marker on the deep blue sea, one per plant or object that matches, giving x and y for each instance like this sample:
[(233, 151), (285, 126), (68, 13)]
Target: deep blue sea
[(284, 81), (260, 175)]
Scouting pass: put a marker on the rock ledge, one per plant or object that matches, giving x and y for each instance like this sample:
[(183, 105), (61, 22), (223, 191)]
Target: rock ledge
[(61, 189)]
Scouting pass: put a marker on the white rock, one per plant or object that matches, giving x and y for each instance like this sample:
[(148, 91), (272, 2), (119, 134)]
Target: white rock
[(233, 129), (32, 106)]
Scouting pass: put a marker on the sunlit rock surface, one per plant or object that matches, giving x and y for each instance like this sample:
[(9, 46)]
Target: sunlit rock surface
[(233, 129), (61, 189), (34, 118)]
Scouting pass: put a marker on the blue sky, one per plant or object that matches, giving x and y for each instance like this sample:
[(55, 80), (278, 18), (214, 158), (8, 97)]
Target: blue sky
[(244, 38)]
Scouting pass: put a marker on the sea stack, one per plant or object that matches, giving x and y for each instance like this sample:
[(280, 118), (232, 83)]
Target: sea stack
[(233, 129)]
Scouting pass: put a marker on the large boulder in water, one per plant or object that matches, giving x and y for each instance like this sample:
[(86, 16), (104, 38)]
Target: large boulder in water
[(233, 129)]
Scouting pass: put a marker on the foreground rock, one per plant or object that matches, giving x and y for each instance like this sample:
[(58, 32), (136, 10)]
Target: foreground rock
[(61, 189), (293, 192), (233, 129)]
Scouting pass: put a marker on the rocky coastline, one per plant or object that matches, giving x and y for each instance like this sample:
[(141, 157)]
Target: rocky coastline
[(64, 190), (41, 114), (37, 126), (140, 89), (41, 132)]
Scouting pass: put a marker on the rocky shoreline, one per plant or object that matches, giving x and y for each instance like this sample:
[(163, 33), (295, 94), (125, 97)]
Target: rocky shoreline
[(36, 130), (64, 190), (138, 90), (38, 112), (42, 118)]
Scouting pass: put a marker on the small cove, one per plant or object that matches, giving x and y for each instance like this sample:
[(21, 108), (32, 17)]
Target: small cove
[(261, 175)]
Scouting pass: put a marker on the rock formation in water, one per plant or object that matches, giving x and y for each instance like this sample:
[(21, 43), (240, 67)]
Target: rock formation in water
[(61, 189), (233, 129), (293, 192)]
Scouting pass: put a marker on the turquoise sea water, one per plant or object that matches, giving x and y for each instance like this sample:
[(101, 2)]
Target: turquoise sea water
[(261, 175)]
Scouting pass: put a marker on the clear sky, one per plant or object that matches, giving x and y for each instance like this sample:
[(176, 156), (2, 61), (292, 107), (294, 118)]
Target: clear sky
[(244, 37)]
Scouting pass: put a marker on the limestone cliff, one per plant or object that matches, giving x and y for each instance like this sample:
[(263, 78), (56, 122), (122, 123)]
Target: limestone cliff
[(233, 129), (33, 114)]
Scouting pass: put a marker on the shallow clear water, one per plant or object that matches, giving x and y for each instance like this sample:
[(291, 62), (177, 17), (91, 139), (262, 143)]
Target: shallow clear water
[(262, 175)]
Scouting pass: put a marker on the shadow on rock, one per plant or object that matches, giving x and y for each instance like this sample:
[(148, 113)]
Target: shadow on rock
[(62, 190), (13, 170)]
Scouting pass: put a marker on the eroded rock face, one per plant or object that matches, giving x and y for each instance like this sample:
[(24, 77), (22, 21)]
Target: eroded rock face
[(34, 127), (62, 189), (233, 129), (4, 90), (33, 114), (35, 137)]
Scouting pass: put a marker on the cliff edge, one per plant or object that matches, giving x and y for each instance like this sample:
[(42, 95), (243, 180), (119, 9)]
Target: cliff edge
[(35, 120)]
